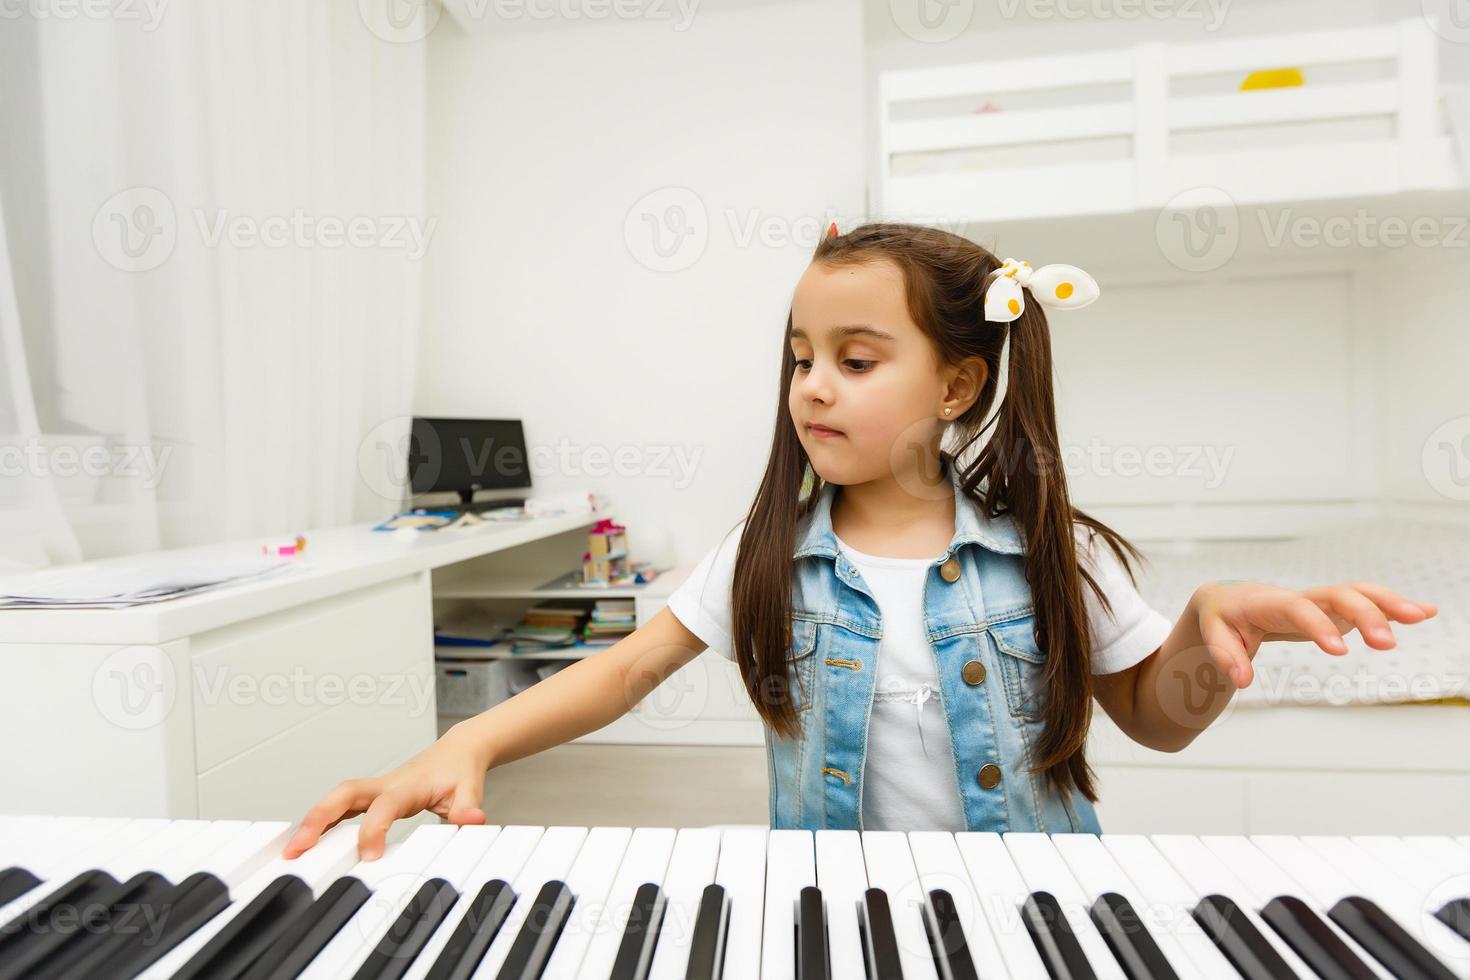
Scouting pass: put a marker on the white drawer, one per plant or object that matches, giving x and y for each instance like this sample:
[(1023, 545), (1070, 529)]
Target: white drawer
[(369, 651)]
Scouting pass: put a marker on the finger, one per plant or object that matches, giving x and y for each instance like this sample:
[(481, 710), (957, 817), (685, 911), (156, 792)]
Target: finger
[(1311, 621), (372, 836), (1396, 606), (1226, 650), (464, 806), (345, 800), (1360, 611)]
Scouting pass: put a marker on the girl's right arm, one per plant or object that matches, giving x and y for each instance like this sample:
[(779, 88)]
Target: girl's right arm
[(448, 778)]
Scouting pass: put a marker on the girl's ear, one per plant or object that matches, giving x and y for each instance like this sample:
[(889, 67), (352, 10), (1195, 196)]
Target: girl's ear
[(966, 380)]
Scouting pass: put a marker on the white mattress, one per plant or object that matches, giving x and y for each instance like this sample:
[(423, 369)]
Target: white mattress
[(1427, 562)]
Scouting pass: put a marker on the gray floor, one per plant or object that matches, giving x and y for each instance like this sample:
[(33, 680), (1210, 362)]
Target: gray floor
[(630, 786)]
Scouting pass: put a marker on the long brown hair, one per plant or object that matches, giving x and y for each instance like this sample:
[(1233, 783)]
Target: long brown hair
[(1017, 470)]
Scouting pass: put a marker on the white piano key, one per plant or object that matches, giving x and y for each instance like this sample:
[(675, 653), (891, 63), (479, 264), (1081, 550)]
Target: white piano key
[(696, 855), (940, 865), (550, 861), (1001, 891), (1044, 870), (332, 856), (1442, 851), (1202, 869), (645, 860), (742, 872), (1391, 889), (393, 878), (502, 859), (256, 845), (590, 880), (791, 865), (1172, 898), (1266, 880), (842, 876), (1097, 872), (891, 868)]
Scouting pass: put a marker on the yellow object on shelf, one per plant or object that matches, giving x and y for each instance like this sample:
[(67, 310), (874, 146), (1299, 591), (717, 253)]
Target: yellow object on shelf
[(1273, 78)]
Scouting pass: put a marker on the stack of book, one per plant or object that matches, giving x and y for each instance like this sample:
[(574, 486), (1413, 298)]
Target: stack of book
[(547, 627), (612, 619)]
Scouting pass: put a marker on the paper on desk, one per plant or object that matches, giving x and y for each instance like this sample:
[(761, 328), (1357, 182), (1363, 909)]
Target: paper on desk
[(113, 588)]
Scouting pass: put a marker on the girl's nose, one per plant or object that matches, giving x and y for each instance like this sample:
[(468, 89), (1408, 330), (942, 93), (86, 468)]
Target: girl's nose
[(815, 386)]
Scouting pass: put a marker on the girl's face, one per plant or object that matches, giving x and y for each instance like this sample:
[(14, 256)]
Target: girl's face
[(868, 392)]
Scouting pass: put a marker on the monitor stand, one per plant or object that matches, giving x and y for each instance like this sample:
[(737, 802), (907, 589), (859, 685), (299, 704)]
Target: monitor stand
[(468, 503)]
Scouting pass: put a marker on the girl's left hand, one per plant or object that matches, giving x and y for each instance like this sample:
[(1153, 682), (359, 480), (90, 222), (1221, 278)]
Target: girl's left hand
[(1235, 618)]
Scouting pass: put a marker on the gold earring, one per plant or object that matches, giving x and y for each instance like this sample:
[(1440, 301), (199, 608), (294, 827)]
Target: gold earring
[(948, 410)]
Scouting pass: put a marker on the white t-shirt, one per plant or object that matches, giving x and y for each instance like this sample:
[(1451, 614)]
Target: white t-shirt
[(908, 772)]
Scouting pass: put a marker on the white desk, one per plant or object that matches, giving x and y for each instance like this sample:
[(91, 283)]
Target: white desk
[(247, 701)]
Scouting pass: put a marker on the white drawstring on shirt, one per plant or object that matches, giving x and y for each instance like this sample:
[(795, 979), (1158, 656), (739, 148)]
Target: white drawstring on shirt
[(924, 693), (917, 697)]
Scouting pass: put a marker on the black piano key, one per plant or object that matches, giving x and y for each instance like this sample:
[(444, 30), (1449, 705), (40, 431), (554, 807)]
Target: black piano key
[(56, 909), (475, 932), (1313, 940), (1052, 934), (947, 938), (81, 926), (1374, 930), (164, 920), (640, 936), (533, 944), (1241, 942), (251, 932), (880, 944), (1129, 939), (1456, 915), (406, 937), (711, 928), (813, 960), (15, 882), (301, 943)]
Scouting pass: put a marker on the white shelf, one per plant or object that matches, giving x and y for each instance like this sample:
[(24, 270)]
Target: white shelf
[(521, 587), (1115, 131)]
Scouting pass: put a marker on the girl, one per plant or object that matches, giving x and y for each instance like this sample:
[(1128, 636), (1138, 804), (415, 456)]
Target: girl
[(876, 572)]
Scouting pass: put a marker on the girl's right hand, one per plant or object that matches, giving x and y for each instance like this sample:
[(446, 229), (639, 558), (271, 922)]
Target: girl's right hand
[(447, 778)]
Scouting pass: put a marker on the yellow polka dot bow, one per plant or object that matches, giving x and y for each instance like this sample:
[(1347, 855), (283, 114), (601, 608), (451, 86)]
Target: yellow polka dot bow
[(1056, 287)]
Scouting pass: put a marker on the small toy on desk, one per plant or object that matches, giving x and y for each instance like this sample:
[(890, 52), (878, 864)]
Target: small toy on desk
[(294, 547), (606, 562)]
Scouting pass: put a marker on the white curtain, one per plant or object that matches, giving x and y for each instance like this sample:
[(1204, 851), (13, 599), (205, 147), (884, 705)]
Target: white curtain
[(208, 316)]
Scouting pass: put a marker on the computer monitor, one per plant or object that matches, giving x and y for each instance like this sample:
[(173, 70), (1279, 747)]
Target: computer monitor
[(464, 456)]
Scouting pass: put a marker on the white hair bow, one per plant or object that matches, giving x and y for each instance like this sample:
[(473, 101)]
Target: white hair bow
[(1057, 287)]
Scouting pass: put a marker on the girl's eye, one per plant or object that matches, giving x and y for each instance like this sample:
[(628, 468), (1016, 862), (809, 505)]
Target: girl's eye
[(805, 364)]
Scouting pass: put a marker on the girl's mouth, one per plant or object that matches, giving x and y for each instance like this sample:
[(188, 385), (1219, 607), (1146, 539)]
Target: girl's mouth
[(822, 432)]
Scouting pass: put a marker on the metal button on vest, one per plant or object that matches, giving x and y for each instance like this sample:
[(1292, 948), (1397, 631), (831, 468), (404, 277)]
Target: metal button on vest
[(989, 775), (973, 672), (950, 570)]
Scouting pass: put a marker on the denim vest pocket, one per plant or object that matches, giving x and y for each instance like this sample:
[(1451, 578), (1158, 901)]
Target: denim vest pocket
[(1023, 663), (801, 663)]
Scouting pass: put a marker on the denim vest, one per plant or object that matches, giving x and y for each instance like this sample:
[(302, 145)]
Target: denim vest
[(981, 624)]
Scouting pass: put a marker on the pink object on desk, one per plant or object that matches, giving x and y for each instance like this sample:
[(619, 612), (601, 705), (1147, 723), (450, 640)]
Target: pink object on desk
[(285, 548)]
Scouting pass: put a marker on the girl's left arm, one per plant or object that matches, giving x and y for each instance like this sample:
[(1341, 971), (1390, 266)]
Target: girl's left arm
[(1173, 694)]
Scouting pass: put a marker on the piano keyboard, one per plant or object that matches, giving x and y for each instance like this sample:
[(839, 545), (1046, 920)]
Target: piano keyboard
[(103, 897)]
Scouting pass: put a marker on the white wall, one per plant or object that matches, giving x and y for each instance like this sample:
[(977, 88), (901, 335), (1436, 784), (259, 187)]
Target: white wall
[(541, 142)]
